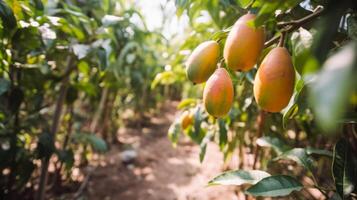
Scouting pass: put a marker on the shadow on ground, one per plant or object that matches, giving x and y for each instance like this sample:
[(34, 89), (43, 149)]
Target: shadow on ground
[(160, 172)]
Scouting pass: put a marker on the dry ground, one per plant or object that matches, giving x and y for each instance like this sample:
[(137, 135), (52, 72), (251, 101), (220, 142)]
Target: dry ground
[(160, 172)]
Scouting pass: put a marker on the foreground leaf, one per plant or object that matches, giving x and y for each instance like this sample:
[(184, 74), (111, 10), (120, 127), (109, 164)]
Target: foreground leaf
[(344, 168), (239, 177), (333, 86), (273, 186)]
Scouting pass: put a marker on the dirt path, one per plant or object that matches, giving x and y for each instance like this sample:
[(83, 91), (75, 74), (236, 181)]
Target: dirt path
[(160, 172)]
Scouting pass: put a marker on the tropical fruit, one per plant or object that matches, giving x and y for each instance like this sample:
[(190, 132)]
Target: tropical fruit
[(218, 93), (186, 120), (244, 44), (202, 62), (274, 81)]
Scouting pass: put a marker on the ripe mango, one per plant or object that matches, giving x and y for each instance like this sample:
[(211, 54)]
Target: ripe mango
[(218, 93), (186, 120), (244, 44), (274, 81), (202, 62)]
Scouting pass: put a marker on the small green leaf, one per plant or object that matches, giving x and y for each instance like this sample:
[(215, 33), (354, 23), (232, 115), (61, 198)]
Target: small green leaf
[(321, 152), (97, 143), (80, 50), (222, 133), (164, 78), (187, 103), (344, 168), (109, 20), (274, 186), (203, 146), (239, 177), (4, 86), (174, 132)]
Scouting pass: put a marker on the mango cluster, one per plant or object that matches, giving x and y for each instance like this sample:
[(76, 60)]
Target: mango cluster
[(274, 80)]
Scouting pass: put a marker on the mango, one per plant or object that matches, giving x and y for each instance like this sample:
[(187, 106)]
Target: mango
[(186, 120), (244, 44), (218, 93), (274, 81), (202, 62)]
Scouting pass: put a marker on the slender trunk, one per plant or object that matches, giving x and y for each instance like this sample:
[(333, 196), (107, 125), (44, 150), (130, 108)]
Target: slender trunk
[(260, 121), (106, 118), (95, 121), (55, 123), (99, 112), (57, 178)]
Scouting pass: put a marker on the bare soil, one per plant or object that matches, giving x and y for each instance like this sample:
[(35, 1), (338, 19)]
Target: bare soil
[(160, 172)]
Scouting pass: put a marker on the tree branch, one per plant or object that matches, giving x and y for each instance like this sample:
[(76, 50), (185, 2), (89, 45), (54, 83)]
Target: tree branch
[(291, 26)]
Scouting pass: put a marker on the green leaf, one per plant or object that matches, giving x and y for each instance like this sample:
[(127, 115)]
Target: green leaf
[(203, 146), (181, 6), (109, 20), (244, 3), (301, 42), (273, 186), (187, 103), (321, 152), (45, 145), (344, 168), (239, 177), (299, 155), (4, 86), (333, 86), (7, 16), (297, 103), (97, 143), (174, 132), (277, 144), (164, 78), (222, 134), (80, 50)]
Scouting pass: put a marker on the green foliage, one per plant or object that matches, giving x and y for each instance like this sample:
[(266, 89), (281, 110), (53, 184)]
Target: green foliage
[(67, 67), (239, 177), (323, 50), (273, 186), (344, 168)]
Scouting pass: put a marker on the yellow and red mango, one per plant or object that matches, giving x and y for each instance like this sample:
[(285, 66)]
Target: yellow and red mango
[(244, 44), (274, 81), (186, 120), (218, 93), (202, 62)]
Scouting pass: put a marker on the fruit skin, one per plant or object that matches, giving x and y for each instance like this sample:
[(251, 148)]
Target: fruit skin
[(218, 93), (186, 120), (202, 62), (274, 81), (244, 44)]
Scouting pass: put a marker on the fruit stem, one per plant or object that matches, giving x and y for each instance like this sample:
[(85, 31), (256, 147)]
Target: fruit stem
[(295, 24), (282, 39), (221, 63)]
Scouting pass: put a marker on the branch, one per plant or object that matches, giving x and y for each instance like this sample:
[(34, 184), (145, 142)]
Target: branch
[(295, 24)]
